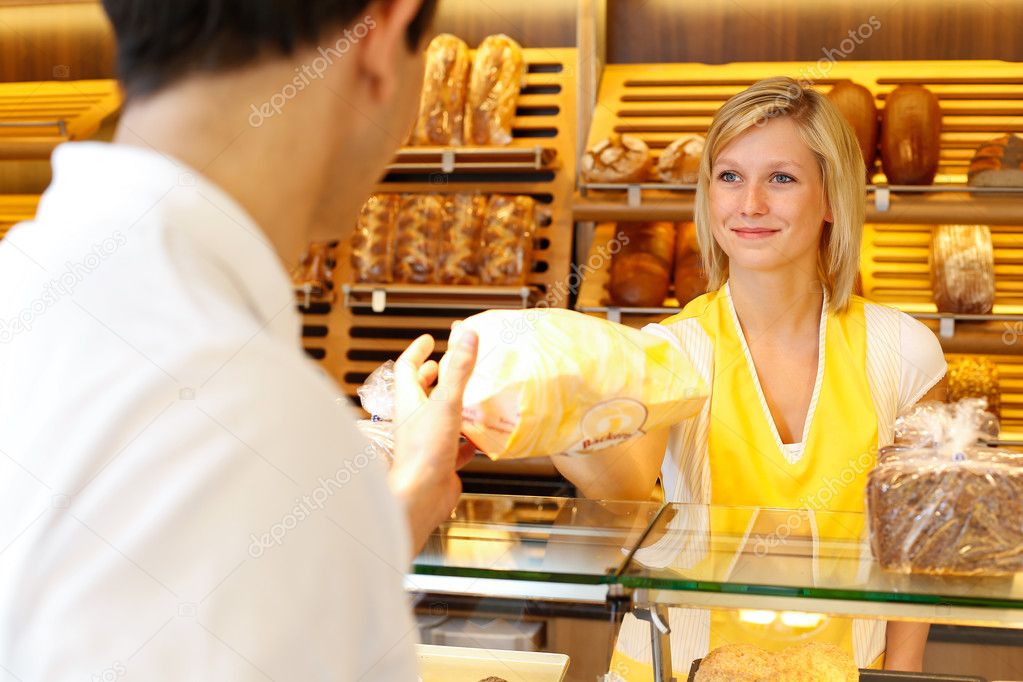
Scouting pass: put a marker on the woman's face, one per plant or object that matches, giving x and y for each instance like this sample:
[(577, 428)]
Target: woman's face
[(767, 200)]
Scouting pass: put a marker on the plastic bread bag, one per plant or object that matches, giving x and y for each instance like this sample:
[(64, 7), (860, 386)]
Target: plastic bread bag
[(445, 84), (495, 81), (378, 398), (550, 381), (506, 253), (945, 503)]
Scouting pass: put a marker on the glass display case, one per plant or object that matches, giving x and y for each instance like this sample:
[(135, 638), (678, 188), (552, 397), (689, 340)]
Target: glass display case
[(615, 557)]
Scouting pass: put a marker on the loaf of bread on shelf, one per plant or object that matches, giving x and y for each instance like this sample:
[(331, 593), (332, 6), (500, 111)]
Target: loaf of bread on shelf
[(619, 158), (962, 268), (807, 662), (506, 255), (679, 163), (494, 85), (911, 136), (998, 163), (690, 279), (944, 504), (417, 238), (442, 103), (856, 104), (372, 242), (315, 273), (459, 257), (974, 377), (641, 270)]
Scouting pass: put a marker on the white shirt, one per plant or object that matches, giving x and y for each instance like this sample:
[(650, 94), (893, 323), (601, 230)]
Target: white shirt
[(184, 494)]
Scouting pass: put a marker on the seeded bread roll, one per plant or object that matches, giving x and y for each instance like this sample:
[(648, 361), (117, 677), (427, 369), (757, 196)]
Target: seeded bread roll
[(442, 104), (620, 158), (911, 136), (962, 265), (372, 242), (494, 85), (998, 163), (679, 163), (974, 377)]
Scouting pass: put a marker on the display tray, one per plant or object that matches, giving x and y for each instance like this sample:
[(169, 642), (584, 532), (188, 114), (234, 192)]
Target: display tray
[(883, 676), (461, 664)]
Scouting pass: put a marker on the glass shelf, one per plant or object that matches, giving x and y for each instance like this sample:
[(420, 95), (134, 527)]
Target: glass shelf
[(707, 557)]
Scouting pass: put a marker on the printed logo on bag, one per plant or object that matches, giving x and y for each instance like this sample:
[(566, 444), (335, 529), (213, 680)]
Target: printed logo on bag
[(611, 423)]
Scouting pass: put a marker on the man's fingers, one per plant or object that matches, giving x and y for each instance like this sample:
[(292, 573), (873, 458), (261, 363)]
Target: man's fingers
[(457, 364), (409, 392), (428, 374)]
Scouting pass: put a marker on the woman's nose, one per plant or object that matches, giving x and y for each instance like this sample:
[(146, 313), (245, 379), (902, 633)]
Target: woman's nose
[(754, 200)]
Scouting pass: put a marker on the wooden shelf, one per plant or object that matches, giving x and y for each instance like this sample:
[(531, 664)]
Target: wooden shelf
[(378, 297), (474, 159), (35, 117), (14, 208)]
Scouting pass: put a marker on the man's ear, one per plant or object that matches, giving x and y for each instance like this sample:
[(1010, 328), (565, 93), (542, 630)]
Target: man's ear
[(381, 51)]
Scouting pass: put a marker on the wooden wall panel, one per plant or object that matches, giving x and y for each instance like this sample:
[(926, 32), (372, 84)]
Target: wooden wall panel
[(550, 23), (55, 41), (721, 31)]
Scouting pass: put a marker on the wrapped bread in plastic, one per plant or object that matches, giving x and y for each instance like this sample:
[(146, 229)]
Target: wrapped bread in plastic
[(372, 242), (442, 103), (494, 86), (679, 163), (550, 380), (974, 377), (417, 238), (945, 504), (315, 273), (998, 163), (962, 268), (459, 258), (641, 270), (506, 254), (690, 278), (620, 158)]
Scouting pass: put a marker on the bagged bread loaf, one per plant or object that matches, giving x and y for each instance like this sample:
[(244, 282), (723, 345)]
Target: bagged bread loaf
[(417, 238), (494, 86), (620, 158), (945, 504), (442, 103), (975, 377), (549, 381), (679, 163), (459, 256), (641, 270), (372, 243), (856, 104), (911, 136), (315, 273), (506, 255), (962, 268), (690, 278), (998, 163)]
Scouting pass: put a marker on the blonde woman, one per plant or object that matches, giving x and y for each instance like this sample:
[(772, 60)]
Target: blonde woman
[(806, 378)]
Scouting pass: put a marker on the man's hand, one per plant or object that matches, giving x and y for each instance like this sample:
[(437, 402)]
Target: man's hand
[(428, 423)]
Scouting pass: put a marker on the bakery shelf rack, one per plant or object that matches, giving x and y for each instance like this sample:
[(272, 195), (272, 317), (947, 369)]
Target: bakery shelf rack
[(35, 117), (895, 272), (343, 331), (658, 103)]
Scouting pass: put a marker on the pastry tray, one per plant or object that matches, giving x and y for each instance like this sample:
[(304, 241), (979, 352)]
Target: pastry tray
[(462, 664), (883, 676)]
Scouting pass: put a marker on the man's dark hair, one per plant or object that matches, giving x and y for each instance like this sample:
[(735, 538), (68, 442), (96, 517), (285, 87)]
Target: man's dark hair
[(159, 42)]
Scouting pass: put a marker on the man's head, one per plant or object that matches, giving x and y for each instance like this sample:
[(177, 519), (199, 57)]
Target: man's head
[(295, 104)]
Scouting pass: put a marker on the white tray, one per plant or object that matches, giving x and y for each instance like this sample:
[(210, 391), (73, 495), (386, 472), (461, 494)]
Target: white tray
[(460, 664)]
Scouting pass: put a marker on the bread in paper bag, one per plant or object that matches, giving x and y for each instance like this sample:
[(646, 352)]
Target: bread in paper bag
[(549, 381)]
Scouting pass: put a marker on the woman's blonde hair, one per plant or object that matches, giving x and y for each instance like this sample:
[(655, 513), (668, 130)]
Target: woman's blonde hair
[(832, 141)]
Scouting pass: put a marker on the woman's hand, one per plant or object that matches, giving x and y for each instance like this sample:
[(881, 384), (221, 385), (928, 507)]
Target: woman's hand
[(428, 423)]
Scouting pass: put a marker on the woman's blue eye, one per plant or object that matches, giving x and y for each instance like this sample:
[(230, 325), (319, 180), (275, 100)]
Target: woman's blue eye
[(783, 178), (729, 176)]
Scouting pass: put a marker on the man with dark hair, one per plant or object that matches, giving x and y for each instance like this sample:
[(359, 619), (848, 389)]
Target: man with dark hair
[(185, 495)]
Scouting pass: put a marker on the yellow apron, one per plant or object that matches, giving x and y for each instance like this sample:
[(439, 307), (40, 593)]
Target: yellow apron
[(748, 468)]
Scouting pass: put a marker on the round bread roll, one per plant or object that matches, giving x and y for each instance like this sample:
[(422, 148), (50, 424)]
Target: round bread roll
[(679, 163), (814, 662), (998, 163), (911, 136), (639, 280), (657, 238), (856, 104), (620, 158), (736, 663)]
